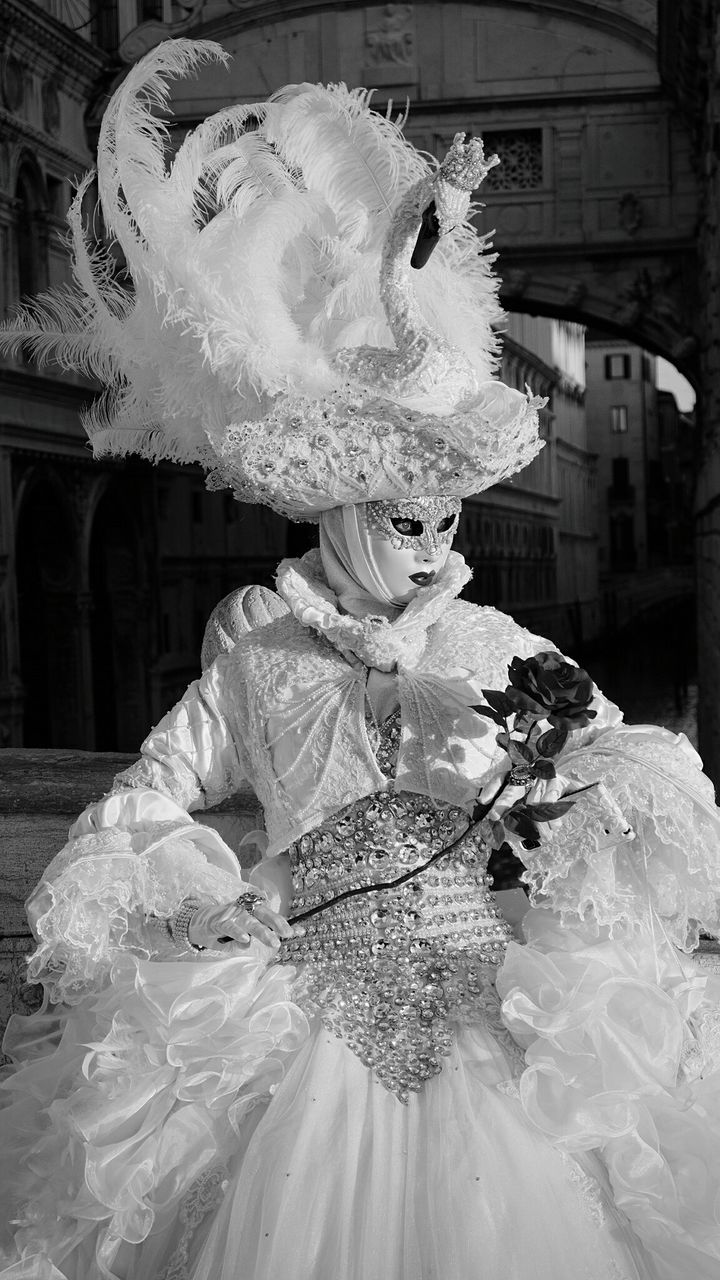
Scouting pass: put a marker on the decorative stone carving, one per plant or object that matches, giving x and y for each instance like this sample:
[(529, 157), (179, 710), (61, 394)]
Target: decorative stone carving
[(515, 283), (389, 53), (393, 38), (630, 213)]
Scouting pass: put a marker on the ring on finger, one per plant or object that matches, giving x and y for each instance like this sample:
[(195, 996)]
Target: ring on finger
[(248, 900)]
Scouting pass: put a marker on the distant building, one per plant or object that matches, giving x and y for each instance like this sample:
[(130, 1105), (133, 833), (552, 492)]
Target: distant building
[(623, 429), (677, 443), (532, 540), (645, 460), (644, 447)]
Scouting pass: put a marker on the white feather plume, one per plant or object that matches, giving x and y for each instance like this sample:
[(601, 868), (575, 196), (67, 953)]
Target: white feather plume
[(253, 257)]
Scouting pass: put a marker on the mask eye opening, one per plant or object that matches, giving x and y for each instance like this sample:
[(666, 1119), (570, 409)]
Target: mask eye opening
[(407, 527)]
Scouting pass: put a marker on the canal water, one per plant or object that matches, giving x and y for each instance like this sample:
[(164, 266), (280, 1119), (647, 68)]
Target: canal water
[(650, 671)]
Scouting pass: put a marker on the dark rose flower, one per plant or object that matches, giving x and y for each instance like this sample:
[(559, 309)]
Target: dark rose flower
[(547, 685)]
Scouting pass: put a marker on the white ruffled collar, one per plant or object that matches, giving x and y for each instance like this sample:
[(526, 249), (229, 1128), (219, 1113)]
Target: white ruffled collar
[(375, 640)]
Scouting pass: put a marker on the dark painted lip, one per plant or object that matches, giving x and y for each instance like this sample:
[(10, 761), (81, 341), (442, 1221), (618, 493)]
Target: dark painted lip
[(422, 579)]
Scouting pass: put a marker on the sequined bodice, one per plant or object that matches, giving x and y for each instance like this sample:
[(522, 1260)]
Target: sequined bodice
[(392, 968)]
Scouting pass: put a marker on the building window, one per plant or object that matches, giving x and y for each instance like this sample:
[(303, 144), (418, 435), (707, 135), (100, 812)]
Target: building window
[(617, 366), (521, 153), (618, 418)]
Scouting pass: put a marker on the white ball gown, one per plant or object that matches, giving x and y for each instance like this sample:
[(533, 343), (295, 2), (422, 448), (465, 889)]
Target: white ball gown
[(404, 1091)]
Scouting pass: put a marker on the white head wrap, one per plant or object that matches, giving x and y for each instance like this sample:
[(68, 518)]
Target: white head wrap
[(350, 566)]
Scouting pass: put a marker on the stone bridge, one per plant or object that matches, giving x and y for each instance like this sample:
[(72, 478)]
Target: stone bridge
[(595, 205)]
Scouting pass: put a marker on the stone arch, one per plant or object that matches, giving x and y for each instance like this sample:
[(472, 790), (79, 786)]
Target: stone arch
[(30, 233), (544, 295), (119, 625), (47, 565)]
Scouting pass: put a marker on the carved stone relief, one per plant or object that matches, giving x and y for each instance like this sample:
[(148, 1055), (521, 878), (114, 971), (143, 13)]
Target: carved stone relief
[(389, 53), (630, 213)]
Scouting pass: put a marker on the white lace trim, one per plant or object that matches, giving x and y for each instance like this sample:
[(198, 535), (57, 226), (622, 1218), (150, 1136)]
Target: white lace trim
[(374, 639), (641, 844), (103, 887)]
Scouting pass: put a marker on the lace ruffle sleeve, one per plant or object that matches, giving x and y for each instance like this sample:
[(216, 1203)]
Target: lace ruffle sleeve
[(642, 842), (135, 855), (101, 895)]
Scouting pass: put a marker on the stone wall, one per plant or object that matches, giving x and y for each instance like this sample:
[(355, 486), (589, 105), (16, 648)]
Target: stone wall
[(690, 61), (41, 793)]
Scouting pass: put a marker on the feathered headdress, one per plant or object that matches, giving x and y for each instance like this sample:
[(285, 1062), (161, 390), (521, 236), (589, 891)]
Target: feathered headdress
[(268, 323)]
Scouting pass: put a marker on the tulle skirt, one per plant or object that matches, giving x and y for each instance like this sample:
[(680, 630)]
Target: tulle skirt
[(188, 1123), (342, 1180)]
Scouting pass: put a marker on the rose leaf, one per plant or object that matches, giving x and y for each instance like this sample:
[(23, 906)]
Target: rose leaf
[(553, 740), (544, 769), (490, 713), (499, 701)]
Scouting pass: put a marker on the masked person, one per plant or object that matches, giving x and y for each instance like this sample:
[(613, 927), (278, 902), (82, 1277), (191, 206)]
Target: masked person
[(349, 1066)]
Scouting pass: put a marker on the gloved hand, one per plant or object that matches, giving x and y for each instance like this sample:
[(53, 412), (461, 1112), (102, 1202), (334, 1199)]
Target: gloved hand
[(230, 924), (534, 791)]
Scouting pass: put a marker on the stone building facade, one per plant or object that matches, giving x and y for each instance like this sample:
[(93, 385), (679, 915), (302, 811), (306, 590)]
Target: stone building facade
[(532, 540), (623, 428), (107, 571), (604, 112), (690, 64)]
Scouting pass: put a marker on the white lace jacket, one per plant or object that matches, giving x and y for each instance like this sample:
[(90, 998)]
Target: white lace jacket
[(285, 710)]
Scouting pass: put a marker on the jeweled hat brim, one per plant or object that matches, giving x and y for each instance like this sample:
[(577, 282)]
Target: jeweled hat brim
[(309, 456)]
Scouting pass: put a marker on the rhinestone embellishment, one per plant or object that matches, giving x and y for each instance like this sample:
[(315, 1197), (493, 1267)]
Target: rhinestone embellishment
[(389, 971), (428, 511)]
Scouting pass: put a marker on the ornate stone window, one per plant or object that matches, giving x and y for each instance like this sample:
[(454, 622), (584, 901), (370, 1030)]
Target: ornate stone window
[(521, 153)]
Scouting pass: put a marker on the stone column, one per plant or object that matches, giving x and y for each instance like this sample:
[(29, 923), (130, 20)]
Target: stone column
[(85, 683), (708, 490), (11, 692)]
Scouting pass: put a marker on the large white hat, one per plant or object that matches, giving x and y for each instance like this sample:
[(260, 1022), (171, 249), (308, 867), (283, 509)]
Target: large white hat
[(274, 329)]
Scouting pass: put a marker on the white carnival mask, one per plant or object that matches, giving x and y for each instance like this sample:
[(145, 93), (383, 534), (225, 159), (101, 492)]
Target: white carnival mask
[(410, 540)]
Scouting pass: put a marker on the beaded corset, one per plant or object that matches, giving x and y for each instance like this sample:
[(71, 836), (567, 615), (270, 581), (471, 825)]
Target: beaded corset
[(391, 969)]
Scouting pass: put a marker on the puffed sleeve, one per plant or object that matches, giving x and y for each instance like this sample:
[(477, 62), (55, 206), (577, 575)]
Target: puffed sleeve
[(641, 842), (134, 856), (194, 758)]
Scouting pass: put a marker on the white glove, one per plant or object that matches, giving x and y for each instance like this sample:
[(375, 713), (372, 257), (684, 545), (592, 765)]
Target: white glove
[(538, 791), (231, 925)]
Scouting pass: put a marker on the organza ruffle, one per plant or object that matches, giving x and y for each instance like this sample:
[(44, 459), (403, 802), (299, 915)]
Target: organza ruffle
[(622, 1060), (139, 1089), (642, 842), (332, 1178)]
